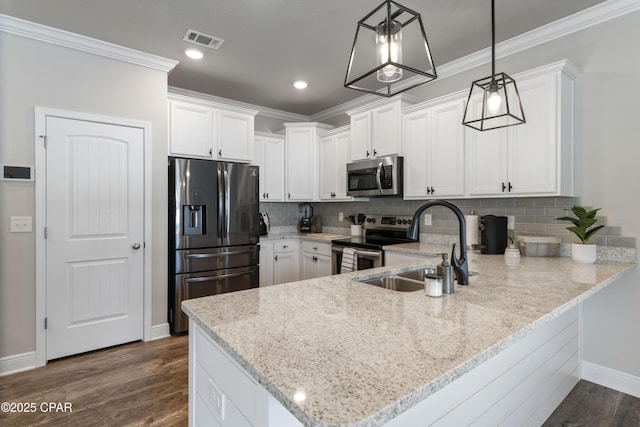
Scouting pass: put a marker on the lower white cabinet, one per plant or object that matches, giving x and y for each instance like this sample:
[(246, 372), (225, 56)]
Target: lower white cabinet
[(286, 261), (316, 259), (279, 262)]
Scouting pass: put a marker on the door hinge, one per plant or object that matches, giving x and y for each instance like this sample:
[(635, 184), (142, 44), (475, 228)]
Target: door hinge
[(44, 140), (45, 323), (45, 233)]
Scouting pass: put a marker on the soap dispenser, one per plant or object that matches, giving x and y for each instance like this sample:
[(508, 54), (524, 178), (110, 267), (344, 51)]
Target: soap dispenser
[(446, 271)]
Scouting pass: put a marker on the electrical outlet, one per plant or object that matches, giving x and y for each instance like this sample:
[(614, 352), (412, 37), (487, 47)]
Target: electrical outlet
[(341, 216), (427, 219), (21, 224), (511, 222)]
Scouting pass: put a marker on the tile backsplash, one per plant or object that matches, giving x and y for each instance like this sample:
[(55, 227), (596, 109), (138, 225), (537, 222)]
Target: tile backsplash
[(533, 216)]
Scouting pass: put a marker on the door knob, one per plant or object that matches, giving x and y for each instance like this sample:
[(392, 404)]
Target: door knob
[(136, 246)]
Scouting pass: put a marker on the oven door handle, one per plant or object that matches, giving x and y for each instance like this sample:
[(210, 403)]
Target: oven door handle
[(378, 179), (368, 253)]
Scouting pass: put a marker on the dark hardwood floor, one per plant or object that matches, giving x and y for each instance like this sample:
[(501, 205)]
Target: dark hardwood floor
[(145, 384), (592, 405)]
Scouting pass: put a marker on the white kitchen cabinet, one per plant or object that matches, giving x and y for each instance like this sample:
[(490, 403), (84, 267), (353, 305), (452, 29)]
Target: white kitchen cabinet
[(433, 142), (269, 156), (286, 265), (235, 136), (334, 156), (207, 130), (376, 128), (191, 132), (266, 263), (534, 158), (302, 160), (316, 259)]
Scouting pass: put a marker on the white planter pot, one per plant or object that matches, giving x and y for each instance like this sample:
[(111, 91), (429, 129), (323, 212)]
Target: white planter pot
[(584, 254)]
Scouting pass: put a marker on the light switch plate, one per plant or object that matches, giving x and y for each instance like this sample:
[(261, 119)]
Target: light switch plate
[(21, 224), (427, 219), (511, 222), (341, 216)]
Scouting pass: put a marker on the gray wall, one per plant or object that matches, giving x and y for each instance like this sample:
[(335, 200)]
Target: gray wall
[(39, 74)]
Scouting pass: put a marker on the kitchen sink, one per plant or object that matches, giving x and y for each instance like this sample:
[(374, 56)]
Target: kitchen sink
[(408, 281), (396, 283)]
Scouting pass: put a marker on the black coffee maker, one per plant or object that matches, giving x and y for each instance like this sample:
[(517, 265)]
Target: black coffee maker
[(493, 234)]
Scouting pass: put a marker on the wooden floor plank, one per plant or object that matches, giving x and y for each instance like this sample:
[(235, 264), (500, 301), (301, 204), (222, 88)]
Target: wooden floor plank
[(137, 384)]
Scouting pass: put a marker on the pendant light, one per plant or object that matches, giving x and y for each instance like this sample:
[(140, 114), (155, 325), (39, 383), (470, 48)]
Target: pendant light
[(390, 52), (494, 101)]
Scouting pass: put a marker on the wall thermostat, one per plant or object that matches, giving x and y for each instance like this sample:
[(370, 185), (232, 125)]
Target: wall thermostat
[(16, 173)]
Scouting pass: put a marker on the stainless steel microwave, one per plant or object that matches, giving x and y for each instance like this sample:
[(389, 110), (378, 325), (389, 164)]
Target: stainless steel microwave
[(375, 178)]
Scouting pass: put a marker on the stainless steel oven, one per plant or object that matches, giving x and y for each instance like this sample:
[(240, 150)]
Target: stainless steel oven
[(379, 231), (367, 258)]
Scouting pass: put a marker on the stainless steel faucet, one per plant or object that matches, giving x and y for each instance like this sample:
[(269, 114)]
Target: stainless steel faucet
[(460, 266)]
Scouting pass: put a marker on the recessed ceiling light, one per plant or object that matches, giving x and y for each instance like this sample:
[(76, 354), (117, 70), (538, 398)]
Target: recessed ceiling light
[(193, 53), (300, 84)]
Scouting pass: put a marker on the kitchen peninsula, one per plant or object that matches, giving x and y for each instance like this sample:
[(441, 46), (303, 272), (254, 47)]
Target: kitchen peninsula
[(336, 352)]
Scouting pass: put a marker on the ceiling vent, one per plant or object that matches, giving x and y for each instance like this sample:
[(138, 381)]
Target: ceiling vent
[(202, 39)]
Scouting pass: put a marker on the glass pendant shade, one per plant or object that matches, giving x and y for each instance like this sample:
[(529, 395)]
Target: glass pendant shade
[(494, 102), (390, 52)]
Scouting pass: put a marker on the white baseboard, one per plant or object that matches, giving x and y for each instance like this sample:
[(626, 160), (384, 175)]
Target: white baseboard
[(160, 331), (611, 378), (17, 363)]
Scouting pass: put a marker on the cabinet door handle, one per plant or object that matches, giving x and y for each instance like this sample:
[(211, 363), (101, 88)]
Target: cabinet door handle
[(285, 246), (210, 152), (375, 153), (315, 259), (510, 186), (315, 248), (503, 187), (275, 258), (267, 195), (433, 191), (368, 153), (289, 195)]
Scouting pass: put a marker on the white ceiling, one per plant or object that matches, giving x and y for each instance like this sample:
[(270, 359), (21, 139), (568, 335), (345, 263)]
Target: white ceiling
[(268, 44)]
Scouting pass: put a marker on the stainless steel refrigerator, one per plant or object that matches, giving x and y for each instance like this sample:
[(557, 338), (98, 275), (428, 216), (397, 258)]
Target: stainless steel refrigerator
[(213, 231)]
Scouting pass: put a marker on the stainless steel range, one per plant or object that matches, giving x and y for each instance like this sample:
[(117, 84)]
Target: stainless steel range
[(379, 231)]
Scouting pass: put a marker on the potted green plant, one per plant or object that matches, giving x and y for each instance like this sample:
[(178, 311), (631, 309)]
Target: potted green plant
[(584, 227)]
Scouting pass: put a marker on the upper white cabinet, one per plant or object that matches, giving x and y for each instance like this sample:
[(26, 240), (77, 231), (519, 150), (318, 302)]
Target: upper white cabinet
[(376, 128), (269, 156), (534, 158), (433, 142), (334, 156), (202, 129), (302, 160)]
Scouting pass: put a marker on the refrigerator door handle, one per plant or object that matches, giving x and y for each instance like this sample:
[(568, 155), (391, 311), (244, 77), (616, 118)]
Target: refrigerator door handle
[(198, 256), (226, 213), (220, 200)]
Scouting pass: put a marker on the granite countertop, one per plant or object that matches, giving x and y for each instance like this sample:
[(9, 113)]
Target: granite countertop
[(364, 354), (324, 237)]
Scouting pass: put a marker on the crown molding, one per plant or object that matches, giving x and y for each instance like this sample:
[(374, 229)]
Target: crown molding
[(262, 111), (594, 15), (20, 27)]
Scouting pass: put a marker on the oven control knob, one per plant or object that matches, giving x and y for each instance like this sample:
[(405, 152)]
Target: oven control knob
[(403, 221), (409, 222)]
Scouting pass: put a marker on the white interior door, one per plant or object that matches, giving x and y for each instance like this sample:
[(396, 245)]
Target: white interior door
[(95, 229)]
